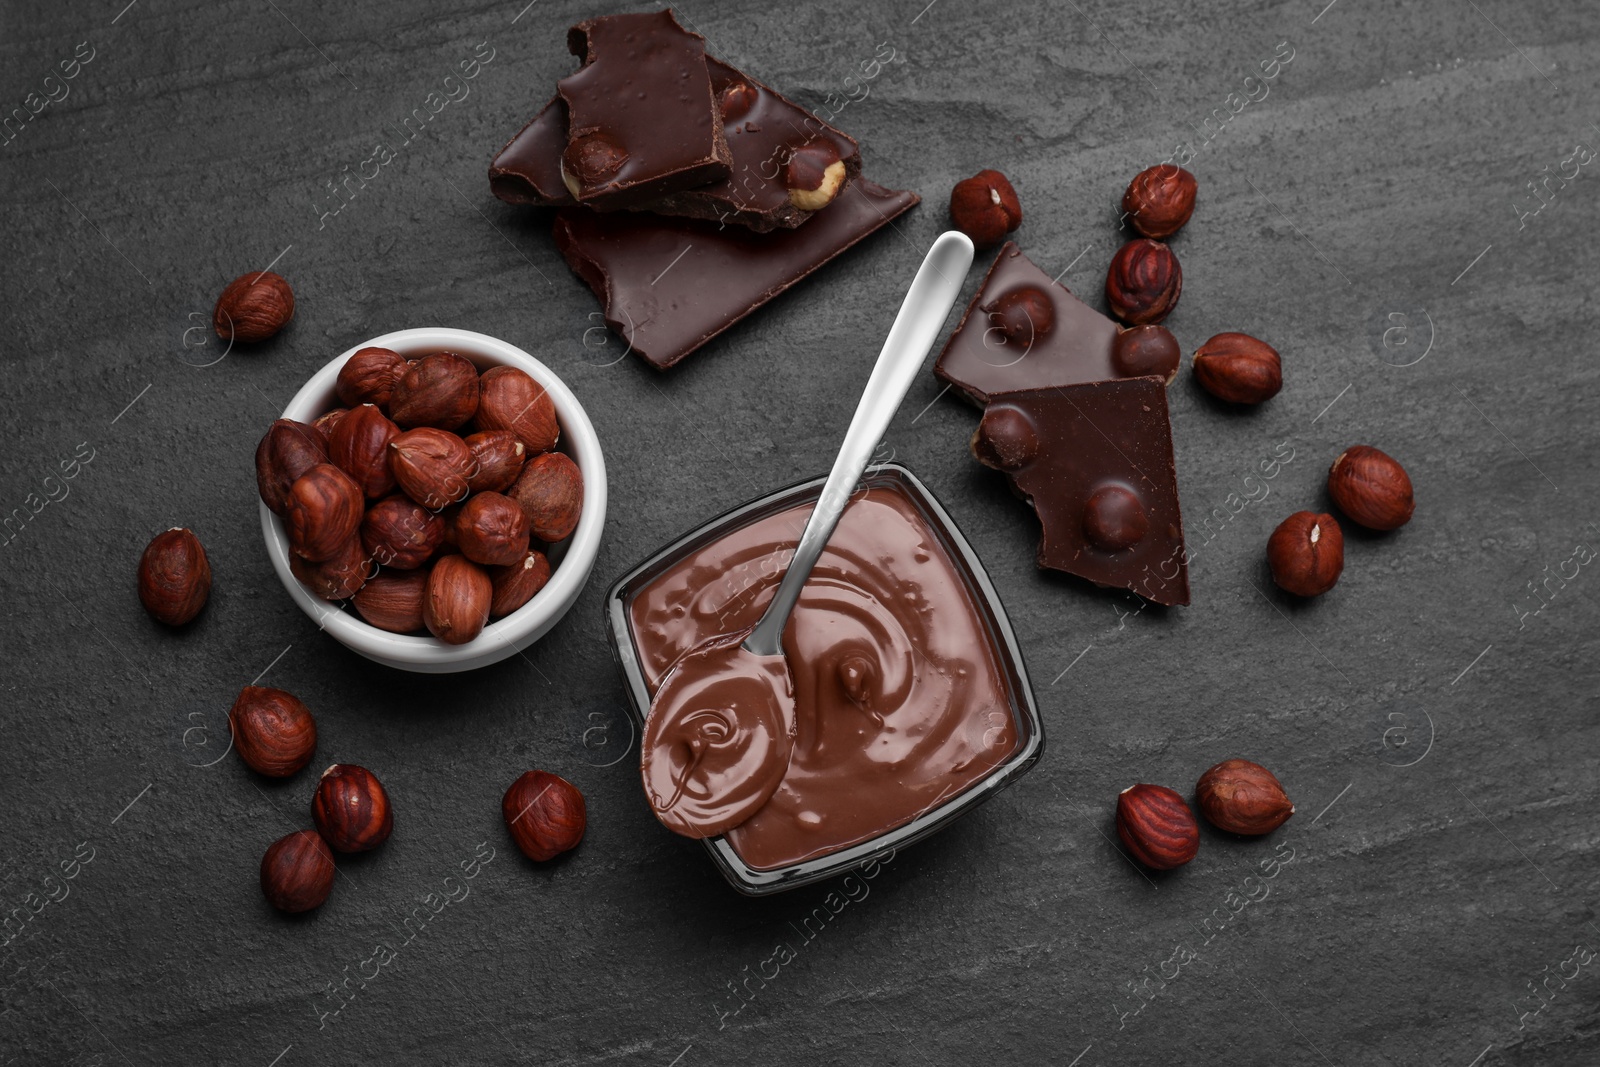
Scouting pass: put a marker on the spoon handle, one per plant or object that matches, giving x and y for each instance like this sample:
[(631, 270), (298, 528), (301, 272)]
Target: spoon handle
[(933, 292)]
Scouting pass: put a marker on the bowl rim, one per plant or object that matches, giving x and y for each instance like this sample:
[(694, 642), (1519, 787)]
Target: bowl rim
[(501, 637)]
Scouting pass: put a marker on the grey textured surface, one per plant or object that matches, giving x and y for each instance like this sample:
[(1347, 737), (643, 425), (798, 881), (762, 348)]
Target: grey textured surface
[(1415, 904)]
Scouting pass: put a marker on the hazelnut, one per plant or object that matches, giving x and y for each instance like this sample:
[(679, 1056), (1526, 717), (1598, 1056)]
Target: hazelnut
[(514, 585), (398, 532), (590, 159), (351, 809), (1005, 439), (369, 377), (456, 604), (497, 458), (1143, 282), (491, 529), (287, 451), (545, 814), (273, 732), (339, 576), (736, 100), (392, 600), (985, 208), (1160, 200), (253, 307), (174, 577), (814, 175), (1242, 798), (550, 490), (432, 466), (1372, 488), (513, 401), (1114, 518), (328, 422), (1023, 314), (1157, 826), (438, 390), (324, 511), (1141, 351), (360, 447), (297, 872), (1238, 368), (1306, 553)]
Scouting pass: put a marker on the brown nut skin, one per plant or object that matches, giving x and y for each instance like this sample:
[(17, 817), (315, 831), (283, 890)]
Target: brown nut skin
[(253, 307), (1143, 282), (328, 421), (325, 507), (401, 534), (516, 584), (1006, 438), (497, 457), (338, 577), (1141, 351), (1114, 519), (1372, 488), (590, 159), (174, 576), (360, 447), (985, 208), (550, 490), (1238, 368), (736, 100), (297, 872), (432, 466), (1242, 798), (1306, 553), (439, 390), (392, 600), (491, 529), (1023, 315), (351, 809), (545, 814), (1157, 826), (287, 450), (1160, 200), (513, 401), (814, 175), (456, 604), (273, 732), (369, 377)]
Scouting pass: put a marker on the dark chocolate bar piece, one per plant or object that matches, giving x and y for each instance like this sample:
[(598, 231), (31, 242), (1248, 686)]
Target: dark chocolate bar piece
[(766, 133), (641, 118), (669, 285), (1025, 331), (1095, 461)]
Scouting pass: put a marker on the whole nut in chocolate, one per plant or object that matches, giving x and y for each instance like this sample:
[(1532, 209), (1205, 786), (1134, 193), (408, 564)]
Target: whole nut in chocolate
[(351, 809), (545, 814), (1157, 826), (550, 490), (1372, 488), (1023, 315), (359, 446), (273, 732), (814, 175), (174, 577), (1143, 282), (736, 100), (433, 466), (1138, 351), (1306, 553), (512, 400), (392, 600), (1238, 368), (253, 307), (590, 159), (456, 604), (287, 450), (401, 534), (369, 377), (1242, 797), (439, 390), (323, 513), (1160, 200), (985, 208), (491, 529), (297, 872)]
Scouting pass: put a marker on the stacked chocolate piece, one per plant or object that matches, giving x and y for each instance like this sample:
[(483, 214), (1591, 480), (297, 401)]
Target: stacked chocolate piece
[(688, 193)]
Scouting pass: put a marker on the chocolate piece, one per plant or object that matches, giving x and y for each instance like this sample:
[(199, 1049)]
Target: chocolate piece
[(670, 285), (1095, 461), (765, 134), (1006, 342), (642, 120)]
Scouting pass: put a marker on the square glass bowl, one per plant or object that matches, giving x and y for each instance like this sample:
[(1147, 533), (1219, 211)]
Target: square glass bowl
[(1029, 728)]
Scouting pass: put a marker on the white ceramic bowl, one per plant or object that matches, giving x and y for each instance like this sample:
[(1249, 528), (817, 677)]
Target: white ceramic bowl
[(571, 560)]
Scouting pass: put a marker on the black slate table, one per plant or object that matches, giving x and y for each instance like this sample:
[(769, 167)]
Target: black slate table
[(1400, 210)]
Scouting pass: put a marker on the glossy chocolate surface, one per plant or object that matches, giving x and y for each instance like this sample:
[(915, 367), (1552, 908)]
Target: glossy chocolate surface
[(1095, 461), (669, 285), (899, 697)]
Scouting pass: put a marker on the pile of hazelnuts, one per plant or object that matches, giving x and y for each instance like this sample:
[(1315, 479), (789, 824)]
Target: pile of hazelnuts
[(430, 498), (276, 735)]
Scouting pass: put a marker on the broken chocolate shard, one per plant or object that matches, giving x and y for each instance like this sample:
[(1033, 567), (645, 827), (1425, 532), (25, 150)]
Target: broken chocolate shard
[(528, 169), (669, 285), (1095, 461), (1024, 330), (641, 118)]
